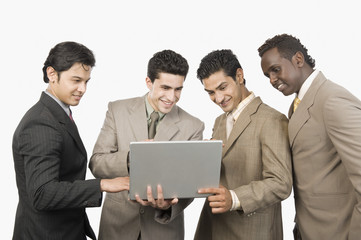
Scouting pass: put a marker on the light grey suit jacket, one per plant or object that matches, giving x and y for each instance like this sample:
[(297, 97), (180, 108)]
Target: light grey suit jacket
[(126, 122), (325, 136), (256, 164)]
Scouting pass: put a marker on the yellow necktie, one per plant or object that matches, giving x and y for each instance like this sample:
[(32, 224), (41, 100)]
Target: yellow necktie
[(295, 103)]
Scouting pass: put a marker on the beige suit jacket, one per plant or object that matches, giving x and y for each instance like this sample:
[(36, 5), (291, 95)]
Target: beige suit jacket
[(126, 122), (256, 164), (325, 137)]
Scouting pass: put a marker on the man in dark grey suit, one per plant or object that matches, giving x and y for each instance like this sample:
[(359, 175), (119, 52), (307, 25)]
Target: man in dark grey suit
[(50, 158)]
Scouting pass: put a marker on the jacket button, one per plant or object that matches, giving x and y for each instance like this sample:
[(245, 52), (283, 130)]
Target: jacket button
[(141, 210)]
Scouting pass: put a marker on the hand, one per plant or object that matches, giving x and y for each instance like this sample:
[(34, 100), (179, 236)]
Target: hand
[(221, 201), (114, 185), (160, 202)]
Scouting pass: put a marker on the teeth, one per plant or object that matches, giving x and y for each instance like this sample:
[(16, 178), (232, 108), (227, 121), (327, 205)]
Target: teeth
[(280, 86)]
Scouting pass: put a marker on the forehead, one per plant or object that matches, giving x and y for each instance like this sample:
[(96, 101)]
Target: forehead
[(168, 79), (215, 80), (272, 57)]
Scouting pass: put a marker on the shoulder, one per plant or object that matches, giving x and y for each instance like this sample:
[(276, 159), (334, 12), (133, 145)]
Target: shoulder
[(185, 116), (126, 102), (264, 111)]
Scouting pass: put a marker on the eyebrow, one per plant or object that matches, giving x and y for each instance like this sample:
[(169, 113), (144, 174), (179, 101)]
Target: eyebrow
[(218, 87)]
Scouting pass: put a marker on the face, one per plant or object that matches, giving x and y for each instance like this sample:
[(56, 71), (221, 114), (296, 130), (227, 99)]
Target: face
[(284, 75), (165, 91), (69, 86), (224, 90)]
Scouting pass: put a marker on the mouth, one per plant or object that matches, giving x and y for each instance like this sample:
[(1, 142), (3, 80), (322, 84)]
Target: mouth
[(224, 103), (167, 103), (77, 97), (280, 87)]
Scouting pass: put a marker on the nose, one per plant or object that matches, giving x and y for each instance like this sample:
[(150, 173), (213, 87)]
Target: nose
[(171, 95), (218, 97), (82, 87), (273, 78)]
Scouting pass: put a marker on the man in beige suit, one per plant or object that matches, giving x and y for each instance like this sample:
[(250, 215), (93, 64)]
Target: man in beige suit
[(256, 162), (325, 137), (128, 121)]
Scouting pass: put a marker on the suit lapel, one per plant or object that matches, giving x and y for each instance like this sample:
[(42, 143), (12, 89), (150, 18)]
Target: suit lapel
[(64, 120), (167, 127), (138, 119), (242, 122), (301, 115)]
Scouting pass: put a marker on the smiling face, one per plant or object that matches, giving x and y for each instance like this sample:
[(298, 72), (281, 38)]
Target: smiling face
[(284, 75), (224, 90), (69, 86), (165, 91)]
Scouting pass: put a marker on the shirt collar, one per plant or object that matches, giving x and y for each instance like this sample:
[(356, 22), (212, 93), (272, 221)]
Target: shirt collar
[(306, 85), (241, 106), (64, 106)]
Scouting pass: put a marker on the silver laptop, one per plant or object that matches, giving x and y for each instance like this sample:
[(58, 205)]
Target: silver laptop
[(180, 167)]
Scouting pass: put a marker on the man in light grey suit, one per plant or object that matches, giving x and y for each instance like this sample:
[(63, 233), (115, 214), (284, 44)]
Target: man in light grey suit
[(256, 160), (325, 137), (128, 121)]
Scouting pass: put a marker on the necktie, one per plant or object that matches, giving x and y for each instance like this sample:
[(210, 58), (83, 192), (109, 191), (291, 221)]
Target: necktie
[(295, 103), (229, 124), (70, 115), (153, 124)]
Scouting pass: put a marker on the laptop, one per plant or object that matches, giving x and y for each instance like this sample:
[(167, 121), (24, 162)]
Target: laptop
[(180, 167)]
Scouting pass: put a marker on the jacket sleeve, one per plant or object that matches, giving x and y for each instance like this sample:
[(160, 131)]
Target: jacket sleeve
[(108, 161), (342, 114)]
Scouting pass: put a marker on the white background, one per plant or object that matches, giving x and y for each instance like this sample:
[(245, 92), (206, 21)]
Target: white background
[(125, 34)]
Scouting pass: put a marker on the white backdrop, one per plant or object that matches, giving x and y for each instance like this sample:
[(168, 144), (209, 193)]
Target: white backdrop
[(125, 34)]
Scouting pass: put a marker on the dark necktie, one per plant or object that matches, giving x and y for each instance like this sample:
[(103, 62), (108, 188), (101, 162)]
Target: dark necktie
[(70, 115), (153, 124)]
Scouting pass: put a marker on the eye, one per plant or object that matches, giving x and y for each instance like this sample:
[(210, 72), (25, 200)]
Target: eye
[(276, 69), (210, 93)]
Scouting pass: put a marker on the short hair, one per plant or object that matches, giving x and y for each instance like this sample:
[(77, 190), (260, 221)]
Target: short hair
[(216, 61), (287, 46), (63, 56), (167, 61)]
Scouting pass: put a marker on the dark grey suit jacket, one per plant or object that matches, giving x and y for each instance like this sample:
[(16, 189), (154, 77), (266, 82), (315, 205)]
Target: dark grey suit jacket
[(50, 164)]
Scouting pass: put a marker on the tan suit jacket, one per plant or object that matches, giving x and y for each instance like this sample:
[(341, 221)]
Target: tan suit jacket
[(256, 164), (126, 122), (325, 137)]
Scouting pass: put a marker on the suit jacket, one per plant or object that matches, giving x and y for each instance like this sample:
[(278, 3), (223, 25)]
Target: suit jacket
[(126, 122), (50, 165), (325, 136), (256, 164)]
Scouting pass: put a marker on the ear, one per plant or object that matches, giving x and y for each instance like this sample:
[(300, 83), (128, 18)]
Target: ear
[(52, 74), (149, 83), (298, 59), (239, 76)]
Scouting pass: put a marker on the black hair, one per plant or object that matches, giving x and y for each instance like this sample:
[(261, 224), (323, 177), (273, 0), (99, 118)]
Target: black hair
[(63, 56), (287, 46), (167, 61), (216, 61)]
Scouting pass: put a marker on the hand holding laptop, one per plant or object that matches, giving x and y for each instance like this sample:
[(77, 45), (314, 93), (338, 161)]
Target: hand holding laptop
[(159, 202)]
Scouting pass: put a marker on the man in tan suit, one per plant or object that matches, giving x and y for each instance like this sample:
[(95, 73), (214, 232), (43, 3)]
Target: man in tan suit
[(256, 162), (128, 121), (325, 137)]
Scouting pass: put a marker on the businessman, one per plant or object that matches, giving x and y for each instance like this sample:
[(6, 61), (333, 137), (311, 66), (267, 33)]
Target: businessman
[(132, 120), (50, 159), (256, 162), (324, 133)]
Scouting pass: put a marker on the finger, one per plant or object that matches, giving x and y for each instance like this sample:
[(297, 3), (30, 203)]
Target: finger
[(139, 200), (208, 190), (150, 195), (174, 201), (160, 192)]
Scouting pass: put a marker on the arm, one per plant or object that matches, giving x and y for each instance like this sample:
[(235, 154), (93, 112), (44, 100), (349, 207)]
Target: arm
[(108, 161), (276, 183), (344, 131), (41, 145)]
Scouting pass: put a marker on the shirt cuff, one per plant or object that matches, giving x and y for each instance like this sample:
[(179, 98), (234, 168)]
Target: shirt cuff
[(236, 204)]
